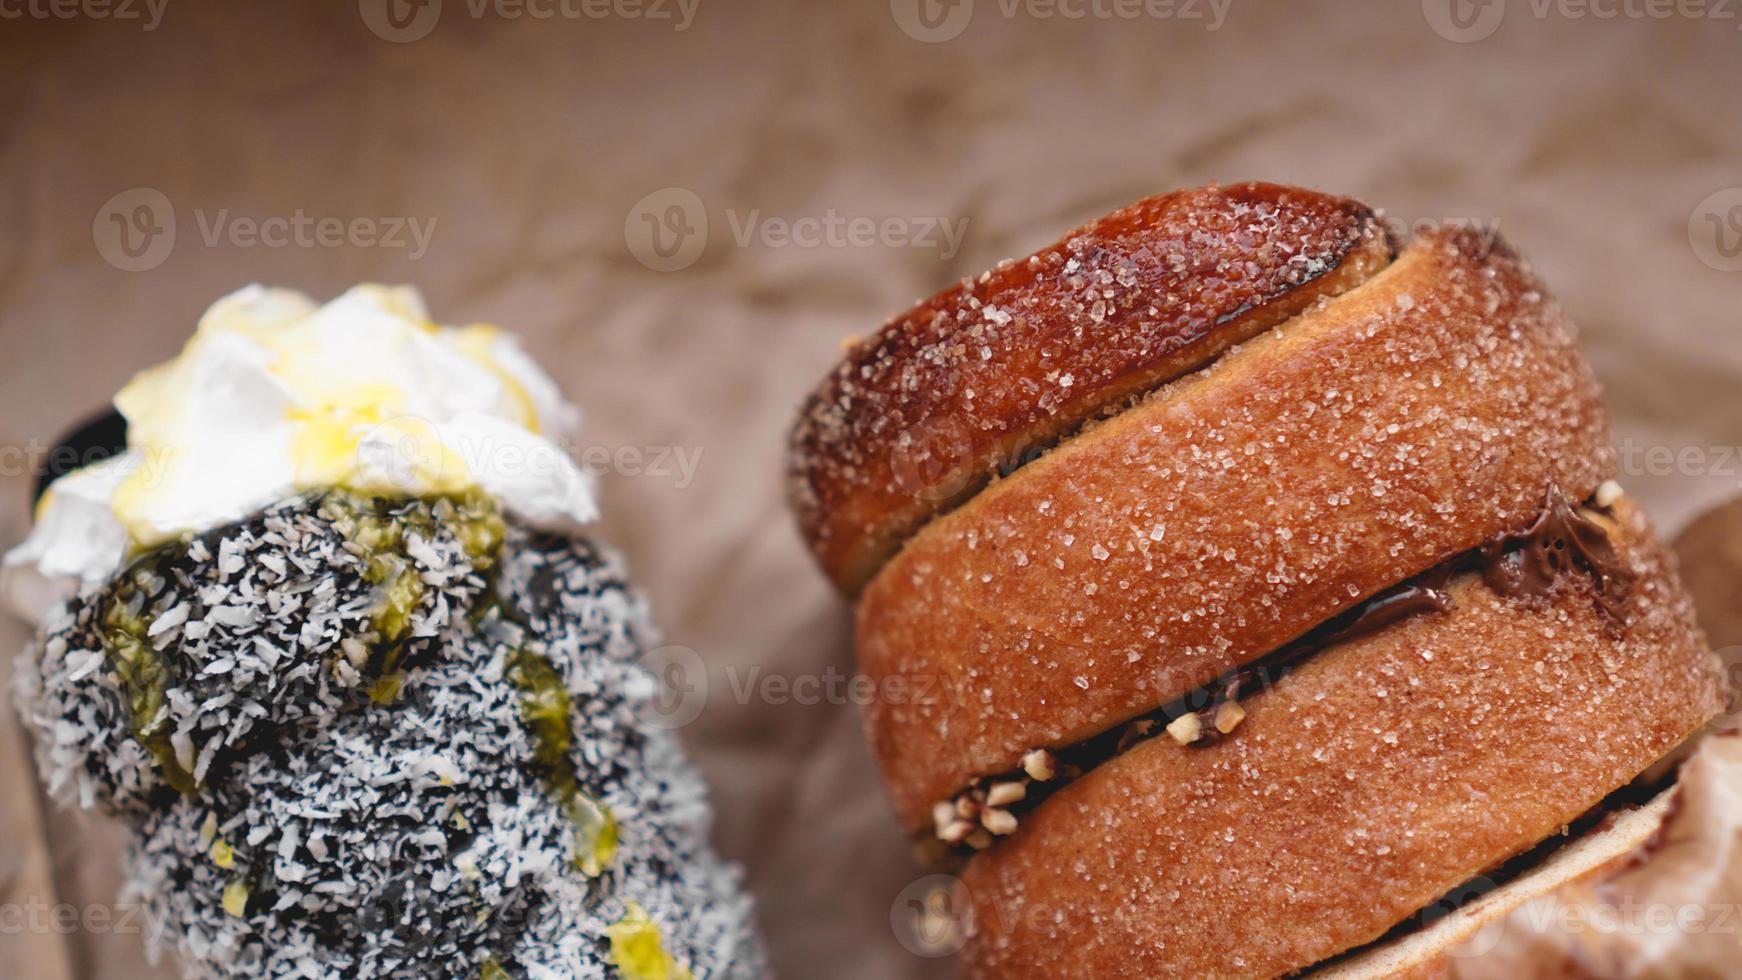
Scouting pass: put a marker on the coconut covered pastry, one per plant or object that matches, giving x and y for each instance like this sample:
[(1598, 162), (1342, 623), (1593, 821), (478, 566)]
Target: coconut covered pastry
[(328, 639)]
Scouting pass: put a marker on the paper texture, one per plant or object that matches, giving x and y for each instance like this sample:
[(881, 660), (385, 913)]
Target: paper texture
[(540, 173)]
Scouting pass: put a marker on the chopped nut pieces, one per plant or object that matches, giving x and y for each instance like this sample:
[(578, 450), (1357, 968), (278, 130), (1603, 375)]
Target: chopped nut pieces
[(1609, 494), (982, 807), (943, 813), (1186, 729), (1040, 765), (1000, 822), (1229, 715), (956, 832), (982, 811)]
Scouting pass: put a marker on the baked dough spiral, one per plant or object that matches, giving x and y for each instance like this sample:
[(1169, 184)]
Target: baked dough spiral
[(1237, 581)]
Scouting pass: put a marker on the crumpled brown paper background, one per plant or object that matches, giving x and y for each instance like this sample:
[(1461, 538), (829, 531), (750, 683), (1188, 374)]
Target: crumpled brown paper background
[(533, 145)]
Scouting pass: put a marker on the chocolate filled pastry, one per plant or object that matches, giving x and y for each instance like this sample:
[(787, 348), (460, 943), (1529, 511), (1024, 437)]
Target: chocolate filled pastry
[(1241, 583), (327, 638)]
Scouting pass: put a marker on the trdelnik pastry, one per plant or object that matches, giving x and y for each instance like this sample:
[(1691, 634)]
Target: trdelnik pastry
[(328, 639), (1272, 586)]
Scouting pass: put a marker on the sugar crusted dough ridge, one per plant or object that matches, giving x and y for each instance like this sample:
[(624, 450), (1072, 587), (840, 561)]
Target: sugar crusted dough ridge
[(1373, 437)]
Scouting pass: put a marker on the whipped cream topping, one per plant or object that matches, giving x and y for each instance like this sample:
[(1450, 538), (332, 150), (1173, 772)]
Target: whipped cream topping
[(275, 396)]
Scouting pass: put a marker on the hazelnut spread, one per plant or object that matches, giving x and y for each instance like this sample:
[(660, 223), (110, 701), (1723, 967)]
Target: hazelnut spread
[(1564, 539), (1563, 536)]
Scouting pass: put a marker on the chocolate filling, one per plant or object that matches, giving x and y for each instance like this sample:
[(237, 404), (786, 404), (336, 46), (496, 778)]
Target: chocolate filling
[(1528, 565), (1564, 537)]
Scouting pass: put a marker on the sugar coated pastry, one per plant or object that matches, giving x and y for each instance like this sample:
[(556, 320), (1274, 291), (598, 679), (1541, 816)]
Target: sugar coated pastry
[(1253, 583)]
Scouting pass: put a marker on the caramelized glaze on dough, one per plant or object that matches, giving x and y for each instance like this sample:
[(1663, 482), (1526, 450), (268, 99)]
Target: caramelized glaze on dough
[(982, 375)]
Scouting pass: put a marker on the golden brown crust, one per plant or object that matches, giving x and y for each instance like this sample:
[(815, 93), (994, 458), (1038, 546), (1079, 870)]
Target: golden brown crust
[(1375, 779), (970, 381), (1465, 935), (1373, 437)]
